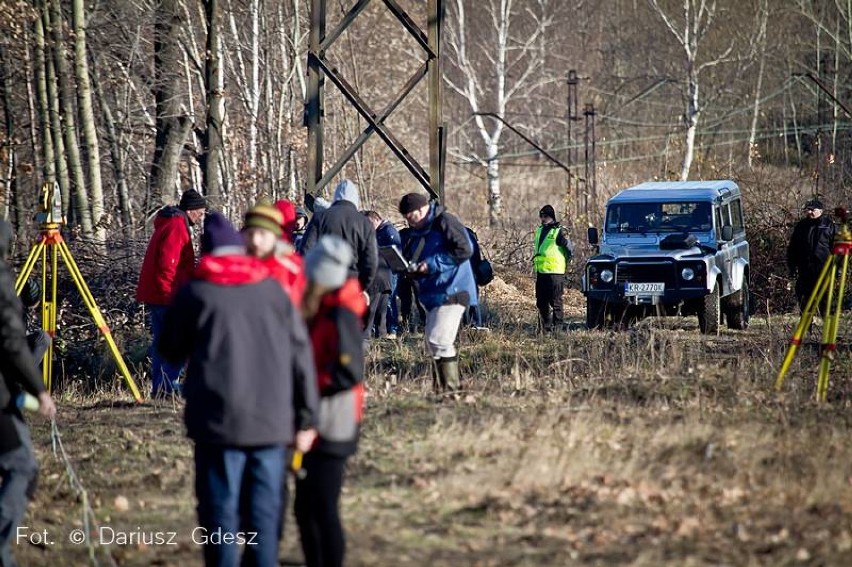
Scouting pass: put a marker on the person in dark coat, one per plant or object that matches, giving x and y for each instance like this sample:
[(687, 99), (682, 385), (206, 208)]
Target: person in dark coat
[(809, 248), (250, 391), (440, 250), (168, 263), (344, 219), (333, 307), (407, 293), (18, 375), (382, 316)]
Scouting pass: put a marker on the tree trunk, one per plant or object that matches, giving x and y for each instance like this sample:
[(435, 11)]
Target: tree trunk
[(40, 71), (116, 154), (495, 199), (53, 107), (75, 164), (214, 84), (172, 126), (9, 173), (87, 121), (692, 115)]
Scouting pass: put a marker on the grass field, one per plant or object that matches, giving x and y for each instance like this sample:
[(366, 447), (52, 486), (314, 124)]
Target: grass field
[(651, 446)]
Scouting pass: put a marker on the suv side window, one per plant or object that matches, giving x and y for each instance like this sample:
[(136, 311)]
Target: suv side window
[(719, 223), (726, 214), (737, 216)]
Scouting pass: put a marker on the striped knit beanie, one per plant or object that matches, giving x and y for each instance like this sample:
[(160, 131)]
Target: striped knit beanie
[(265, 216)]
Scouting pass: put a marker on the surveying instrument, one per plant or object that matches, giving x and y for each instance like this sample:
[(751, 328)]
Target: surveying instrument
[(49, 247), (824, 290)]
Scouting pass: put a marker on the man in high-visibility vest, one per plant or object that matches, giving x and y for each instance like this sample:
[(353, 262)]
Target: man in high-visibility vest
[(553, 251)]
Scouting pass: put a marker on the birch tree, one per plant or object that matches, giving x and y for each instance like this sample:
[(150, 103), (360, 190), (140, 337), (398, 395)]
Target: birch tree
[(215, 87), (69, 121), (87, 120), (690, 29), (495, 61)]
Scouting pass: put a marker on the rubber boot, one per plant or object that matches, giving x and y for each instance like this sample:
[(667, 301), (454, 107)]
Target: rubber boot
[(448, 373)]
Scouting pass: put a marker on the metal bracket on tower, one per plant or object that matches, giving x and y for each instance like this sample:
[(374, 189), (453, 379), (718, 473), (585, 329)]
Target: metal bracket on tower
[(319, 69)]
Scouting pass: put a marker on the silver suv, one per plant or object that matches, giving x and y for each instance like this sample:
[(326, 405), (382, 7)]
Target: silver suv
[(670, 248)]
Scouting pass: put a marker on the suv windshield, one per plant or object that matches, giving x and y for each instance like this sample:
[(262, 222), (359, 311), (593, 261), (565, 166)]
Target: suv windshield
[(659, 217)]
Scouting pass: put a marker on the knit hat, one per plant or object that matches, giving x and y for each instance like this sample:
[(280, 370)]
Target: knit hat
[(265, 216), (411, 202), (220, 237), (547, 211), (288, 216), (327, 263), (814, 204), (192, 200), (301, 212)]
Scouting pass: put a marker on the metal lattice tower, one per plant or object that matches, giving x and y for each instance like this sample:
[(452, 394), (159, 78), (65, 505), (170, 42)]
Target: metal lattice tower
[(319, 68)]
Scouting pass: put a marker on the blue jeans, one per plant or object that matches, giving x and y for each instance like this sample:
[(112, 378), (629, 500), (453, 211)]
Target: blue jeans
[(239, 490), (18, 471), (164, 375), (393, 308)]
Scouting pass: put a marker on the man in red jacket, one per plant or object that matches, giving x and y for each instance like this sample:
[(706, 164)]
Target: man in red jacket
[(168, 263)]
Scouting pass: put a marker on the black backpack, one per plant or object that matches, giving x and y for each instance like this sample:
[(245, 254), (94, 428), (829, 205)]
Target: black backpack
[(483, 272)]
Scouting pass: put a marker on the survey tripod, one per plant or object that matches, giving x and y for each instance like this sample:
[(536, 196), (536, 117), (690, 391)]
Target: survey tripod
[(49, 247), (823, 294)]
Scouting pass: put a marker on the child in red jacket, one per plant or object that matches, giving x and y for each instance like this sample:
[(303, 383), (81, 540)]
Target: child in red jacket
[(333, 307)]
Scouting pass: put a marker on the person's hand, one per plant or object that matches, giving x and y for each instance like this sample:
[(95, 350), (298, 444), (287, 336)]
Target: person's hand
[(366, 297), (421, 268), (46, 407), (305, 439)]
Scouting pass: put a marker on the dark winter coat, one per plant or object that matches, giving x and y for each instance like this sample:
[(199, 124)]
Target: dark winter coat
[(343, 219), (169, 259), (810, 246), (250, 377), (18, 370), (446, 250), (336, 338)]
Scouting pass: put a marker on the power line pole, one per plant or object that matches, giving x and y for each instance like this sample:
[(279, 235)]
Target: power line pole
[(320, 68)]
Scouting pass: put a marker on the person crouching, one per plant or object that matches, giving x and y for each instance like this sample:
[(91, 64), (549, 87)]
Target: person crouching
[(333, 307)]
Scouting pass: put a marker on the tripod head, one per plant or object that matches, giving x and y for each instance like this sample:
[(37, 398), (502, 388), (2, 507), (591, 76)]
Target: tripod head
[(50, 206)]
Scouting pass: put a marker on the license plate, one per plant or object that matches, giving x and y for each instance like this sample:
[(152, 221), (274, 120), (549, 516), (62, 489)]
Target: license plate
[(643, 288)]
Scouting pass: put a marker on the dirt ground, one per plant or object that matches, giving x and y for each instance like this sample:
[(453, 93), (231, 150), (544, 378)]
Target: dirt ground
[(644, 447)]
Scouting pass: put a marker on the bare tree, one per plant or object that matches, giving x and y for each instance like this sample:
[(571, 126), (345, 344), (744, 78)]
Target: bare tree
[(215, 86), (87, 120), (689, 31), (494, 63)]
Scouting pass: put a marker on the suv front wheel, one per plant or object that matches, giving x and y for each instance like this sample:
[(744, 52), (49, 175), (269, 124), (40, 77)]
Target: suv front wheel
[(709, 313), (595, 313)]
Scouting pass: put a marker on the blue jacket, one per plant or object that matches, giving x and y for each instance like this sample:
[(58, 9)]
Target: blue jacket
[(446, 250)]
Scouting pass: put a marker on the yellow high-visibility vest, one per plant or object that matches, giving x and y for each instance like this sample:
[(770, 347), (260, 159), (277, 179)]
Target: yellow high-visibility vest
[(548, 258)]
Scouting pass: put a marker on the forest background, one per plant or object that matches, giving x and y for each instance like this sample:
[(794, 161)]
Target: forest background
[(126, 103)]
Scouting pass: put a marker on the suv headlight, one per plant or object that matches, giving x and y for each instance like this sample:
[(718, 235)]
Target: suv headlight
[(600, 275), (687, 274), (607, 276)]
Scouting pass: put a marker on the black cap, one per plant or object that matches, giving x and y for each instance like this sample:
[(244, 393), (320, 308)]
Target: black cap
[(411, 202), (192, 200), (547, 211), (814, 204)]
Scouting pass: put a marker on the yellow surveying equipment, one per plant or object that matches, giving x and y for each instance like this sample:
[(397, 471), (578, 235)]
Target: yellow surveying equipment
[(49, 247), (824, 290)]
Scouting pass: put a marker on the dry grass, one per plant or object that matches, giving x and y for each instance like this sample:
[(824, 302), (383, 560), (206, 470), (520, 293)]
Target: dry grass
[(652, 446)]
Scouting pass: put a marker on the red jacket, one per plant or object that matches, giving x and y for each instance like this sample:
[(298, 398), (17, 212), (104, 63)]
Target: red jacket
[(289, 271), (336, 336), (169, 259)]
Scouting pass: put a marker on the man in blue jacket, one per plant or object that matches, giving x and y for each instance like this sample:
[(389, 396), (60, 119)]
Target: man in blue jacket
[(439, 249)]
